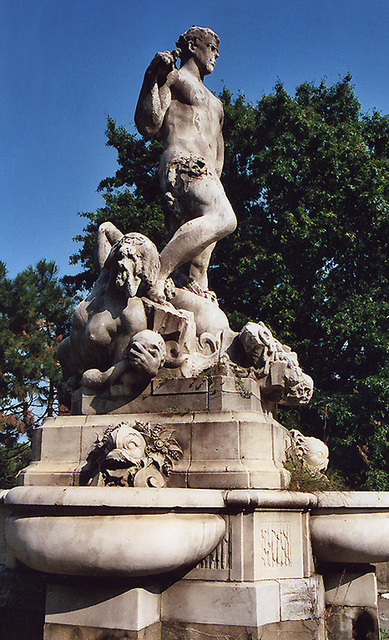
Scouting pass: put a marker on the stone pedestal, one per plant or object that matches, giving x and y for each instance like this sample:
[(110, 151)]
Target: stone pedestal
[(230, 439), (259, 582)]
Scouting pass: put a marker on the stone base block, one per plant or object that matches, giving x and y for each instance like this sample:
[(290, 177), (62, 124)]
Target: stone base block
[(79, 606), (355, 587), (351, 601), (263, 545), (295, 630), (217, 393), (244, 604), (248, 604), (70, 632), (358, 623)]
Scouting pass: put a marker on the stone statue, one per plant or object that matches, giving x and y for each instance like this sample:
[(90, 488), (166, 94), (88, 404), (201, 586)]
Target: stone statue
[(120, 339), (100, 350), (145, 311), (113, 313), (285, 381), (145, 355), (178, 104)]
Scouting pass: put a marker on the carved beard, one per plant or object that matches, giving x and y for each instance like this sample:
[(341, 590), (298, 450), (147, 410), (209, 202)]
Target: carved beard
[(129, 282)]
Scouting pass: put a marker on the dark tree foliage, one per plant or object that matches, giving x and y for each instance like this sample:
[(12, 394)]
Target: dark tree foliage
[(308, 177), (133, 199), (35, 312)]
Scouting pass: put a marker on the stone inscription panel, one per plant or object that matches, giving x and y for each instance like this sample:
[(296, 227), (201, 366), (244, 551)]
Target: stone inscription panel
[(275, 544)]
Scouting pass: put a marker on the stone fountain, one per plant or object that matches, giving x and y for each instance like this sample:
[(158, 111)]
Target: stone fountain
[(159, 508)]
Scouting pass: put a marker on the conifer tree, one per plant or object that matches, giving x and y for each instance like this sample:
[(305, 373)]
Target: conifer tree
[(35, 311)]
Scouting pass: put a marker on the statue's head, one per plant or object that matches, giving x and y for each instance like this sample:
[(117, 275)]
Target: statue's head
[(202, 44), (147, 352), (133, 262), (258, 342)]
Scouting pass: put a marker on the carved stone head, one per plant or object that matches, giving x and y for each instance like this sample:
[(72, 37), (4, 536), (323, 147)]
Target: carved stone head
[(130, 441), (312, 451), (133, 262), (201, 43), (258, 343), (147, 352)]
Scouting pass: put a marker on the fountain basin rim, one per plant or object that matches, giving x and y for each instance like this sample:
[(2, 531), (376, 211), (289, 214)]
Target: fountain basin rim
[(194, 499), (351, 501), (167, 498), (115, 497)]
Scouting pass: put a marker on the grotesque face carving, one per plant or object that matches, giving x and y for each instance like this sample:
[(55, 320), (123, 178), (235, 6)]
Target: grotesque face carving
[(131, 441), (147, 352), (311, 450), (258, 342)]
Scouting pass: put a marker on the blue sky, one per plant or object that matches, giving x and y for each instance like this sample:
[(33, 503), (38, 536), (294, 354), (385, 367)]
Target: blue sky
[(66, 64)]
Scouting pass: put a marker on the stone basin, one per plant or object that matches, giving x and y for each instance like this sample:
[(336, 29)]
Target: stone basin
[(112, 531), (351, 527)]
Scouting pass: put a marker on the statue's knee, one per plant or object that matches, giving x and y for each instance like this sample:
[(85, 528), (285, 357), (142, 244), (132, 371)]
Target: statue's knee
[(231, 221)]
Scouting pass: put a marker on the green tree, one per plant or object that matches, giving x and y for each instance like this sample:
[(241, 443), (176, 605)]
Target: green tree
[(35, 311), (308, 177)]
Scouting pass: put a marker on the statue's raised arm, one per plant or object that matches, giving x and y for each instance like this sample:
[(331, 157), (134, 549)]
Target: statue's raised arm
[(155, 95)]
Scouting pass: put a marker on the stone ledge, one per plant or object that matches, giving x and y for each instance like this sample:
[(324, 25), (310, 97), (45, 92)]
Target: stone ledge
[(218, 393)]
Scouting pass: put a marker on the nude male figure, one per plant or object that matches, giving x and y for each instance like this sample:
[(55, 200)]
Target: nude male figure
[(190, 118)]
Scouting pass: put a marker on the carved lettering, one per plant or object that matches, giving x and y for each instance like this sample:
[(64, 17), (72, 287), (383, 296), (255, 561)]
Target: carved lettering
[(275, 541)]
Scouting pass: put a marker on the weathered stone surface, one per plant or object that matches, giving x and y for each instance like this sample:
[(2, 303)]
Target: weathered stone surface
[(113, 545), (270, 544), (301, 630), (216, 393), (357, 588), (350, 537), (60, 474), (302, 599), (237, 448), (60, 445), (252, 604)]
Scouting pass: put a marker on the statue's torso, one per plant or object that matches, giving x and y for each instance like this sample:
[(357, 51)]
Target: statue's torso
[(103, 327), (193, 121)]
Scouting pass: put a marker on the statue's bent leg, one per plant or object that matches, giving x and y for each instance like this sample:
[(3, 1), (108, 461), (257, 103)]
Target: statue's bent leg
[(199, 267), (212, 218)]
